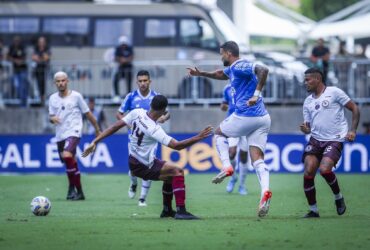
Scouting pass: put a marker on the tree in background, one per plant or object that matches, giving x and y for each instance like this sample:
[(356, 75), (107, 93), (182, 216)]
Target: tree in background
[(319, 9)]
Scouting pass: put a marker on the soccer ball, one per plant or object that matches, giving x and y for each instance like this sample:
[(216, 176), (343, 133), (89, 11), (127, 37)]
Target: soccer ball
[(40, 206)]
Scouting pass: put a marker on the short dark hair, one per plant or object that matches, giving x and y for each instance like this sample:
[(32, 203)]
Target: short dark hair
[(159, 102), (231, 47), (143, 73), (315, 71)]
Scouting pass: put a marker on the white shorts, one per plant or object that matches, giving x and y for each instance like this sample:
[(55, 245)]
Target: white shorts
[(241, 142), (254, 128)]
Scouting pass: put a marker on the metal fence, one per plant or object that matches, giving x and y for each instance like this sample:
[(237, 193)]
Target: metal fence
[(94, 79)]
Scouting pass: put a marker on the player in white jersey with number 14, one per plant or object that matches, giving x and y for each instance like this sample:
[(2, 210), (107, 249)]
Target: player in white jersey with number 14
[(145, 135)]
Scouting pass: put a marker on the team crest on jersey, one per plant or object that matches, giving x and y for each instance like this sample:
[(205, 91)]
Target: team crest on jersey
[(308, 148), (325, 103), (317, 106)]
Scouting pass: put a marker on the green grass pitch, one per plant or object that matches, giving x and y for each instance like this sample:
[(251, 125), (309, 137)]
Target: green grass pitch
[(108, 219)]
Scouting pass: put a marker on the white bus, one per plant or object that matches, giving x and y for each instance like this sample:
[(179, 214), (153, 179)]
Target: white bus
[(166, 38)]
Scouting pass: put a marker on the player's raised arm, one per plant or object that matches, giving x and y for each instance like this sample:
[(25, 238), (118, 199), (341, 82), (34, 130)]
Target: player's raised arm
[(218, 74), (178, 145), (109, 131)]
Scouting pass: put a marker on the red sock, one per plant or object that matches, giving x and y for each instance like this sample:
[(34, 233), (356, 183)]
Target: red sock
[(167, 195), (309, 189), (332, 181), (77, 177), (178, 186), (70, 170)]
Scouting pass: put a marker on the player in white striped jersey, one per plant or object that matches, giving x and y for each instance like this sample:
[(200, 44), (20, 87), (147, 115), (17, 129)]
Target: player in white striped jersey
[(323, 113), (146, 133)]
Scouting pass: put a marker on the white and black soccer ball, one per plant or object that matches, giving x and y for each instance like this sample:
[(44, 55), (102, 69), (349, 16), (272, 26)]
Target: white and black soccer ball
[(40, 206)]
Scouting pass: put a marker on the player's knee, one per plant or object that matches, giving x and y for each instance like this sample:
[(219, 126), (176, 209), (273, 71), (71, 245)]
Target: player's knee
[(67, 154)]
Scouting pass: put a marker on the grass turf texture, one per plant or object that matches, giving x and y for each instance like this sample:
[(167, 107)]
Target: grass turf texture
[(108, 219)]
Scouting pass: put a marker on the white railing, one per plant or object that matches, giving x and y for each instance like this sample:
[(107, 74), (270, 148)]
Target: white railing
[(94, 79)]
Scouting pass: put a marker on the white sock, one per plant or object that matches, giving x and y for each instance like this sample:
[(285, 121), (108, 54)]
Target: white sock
[(145, 186), (222, 146), (243, 167), (314, 208), (338, 196), (263, 175), (133, 179)]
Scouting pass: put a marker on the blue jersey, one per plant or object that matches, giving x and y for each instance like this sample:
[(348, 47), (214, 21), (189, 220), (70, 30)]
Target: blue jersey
[(135, 100), (228, 98), (244, 82)]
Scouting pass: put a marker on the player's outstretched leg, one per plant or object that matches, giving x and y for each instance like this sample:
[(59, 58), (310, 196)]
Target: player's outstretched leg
[(178, 186), (310, 192), (145, 186), (133, 186), (167, 200), (332, 181), (222, 146)]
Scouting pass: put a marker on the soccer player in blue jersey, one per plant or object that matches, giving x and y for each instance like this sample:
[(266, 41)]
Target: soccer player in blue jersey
[(238, 147), (249, 119), (140, 98)]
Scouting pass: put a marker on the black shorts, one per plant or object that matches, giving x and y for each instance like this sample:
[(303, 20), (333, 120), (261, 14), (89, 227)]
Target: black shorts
[(320, 149), (140, 170)]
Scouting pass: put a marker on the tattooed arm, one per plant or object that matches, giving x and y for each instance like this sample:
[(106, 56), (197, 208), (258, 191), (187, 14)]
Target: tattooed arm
[(218, 74), (261, 73)]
